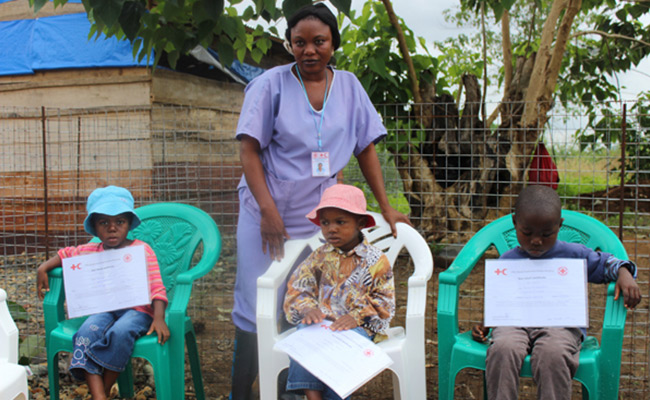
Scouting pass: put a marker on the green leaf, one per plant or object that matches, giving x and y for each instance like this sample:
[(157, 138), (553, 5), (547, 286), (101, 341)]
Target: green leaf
[(172, 58), (30, 347), (137, 43), (342, 5), (257, 55), (249, 13), (37, 4), (289, 7), (213, 8), (264, 44), (107, 11), (377, 66), (18, 312), (129, 19), (226, 52)]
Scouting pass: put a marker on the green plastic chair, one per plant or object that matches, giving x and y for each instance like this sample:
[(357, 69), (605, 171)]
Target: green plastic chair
[(599, 367), (174, 231)]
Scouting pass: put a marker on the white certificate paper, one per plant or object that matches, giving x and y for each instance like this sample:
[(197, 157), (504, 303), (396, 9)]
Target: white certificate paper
[(536, 293), (106, 281), (343, 360)]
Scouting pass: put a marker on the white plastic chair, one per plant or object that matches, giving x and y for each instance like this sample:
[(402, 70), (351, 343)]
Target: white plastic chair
[(13, 384), (404, 346)]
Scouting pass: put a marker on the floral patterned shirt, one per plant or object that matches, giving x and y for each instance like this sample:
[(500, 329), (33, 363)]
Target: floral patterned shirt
[(359, 283)]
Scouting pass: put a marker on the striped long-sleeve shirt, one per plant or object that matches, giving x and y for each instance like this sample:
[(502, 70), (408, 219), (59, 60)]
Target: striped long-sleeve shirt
[(156, 288)]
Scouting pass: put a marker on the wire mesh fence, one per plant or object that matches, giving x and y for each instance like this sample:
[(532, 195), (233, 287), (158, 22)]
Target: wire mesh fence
[(452, 183)]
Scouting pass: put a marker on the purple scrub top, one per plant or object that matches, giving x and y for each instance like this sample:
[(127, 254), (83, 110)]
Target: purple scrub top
[(277, 114)]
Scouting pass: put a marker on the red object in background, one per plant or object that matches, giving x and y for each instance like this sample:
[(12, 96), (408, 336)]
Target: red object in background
[(543, 170)]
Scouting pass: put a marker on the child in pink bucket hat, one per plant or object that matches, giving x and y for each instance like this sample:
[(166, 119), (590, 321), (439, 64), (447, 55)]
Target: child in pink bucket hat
[(347, 280), (344, 197)]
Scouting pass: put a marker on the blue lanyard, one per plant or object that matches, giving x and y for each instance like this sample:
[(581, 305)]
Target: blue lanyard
[(318, 125)]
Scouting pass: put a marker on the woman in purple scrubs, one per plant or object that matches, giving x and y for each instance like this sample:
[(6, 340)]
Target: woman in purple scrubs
[(299, 125)]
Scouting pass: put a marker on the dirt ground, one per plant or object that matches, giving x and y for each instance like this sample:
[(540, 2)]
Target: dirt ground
[(212, 302)]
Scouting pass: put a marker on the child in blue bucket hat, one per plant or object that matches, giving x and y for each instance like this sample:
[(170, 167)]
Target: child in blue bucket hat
[(104, 342)]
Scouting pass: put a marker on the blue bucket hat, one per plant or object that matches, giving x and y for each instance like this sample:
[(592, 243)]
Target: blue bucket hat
[(110, 200)]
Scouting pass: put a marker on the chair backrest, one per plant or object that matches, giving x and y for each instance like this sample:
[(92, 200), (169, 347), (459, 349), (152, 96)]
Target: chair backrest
[(174, 231), (8, 333), (576, 228), (407, 237)]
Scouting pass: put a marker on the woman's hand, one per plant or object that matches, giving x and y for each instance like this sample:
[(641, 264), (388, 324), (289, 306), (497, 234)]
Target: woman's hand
[(271, 225), (371, 168), (313, 316), (627, 285), (392, 216), (273, 234), (344, 323), (479, 333), (160, 327)]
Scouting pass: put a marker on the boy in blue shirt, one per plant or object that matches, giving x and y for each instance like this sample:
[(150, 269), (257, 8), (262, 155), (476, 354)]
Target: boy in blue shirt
[(555, 351)]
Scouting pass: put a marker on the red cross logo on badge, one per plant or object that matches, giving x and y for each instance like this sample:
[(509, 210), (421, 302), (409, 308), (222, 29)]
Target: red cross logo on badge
[(563, 271), (128, 258)]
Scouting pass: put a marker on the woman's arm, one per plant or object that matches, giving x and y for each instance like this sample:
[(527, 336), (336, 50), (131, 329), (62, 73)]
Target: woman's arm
[(271, 226), (369, 164)]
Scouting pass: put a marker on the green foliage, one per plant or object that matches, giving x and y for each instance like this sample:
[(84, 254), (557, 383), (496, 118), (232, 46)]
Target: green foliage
[(607, 128), (175, 27), (18, 312), (370, 51), (31, 345)]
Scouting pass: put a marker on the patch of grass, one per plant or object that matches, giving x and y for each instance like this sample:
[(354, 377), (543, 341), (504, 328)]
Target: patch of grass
[(587, 172)]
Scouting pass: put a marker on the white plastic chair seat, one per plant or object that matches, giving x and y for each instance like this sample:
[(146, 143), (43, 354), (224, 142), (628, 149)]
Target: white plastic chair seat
[(13, 381), (13, 384), (405, 346)]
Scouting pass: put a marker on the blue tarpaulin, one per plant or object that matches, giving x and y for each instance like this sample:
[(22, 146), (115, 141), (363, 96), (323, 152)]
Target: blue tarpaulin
[(59, 42), (62, 41)]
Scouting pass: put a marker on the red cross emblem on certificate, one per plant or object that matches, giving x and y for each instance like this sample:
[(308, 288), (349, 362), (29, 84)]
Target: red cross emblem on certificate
[(501, 271), (128, 258), (563, 271)]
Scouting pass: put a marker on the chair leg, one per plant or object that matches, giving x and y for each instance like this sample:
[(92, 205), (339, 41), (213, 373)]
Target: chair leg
[(398, 387), (125, 381), (53, 375), (195, 364), (445, 384)]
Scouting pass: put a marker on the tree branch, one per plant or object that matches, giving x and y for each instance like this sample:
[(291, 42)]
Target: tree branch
[(610, 35), (404, 50), (536, 85), (559, 49), (507, 51)]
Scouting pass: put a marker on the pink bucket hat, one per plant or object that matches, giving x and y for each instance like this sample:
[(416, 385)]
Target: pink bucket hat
[(345, 197)]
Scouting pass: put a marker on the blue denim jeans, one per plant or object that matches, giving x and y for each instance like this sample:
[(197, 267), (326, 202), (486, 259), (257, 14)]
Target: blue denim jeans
[(105, 341), (300, 379)]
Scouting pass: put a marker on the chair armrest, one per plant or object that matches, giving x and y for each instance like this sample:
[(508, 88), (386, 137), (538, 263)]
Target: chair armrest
[(211, 238), (613, 321), (53, 310), (269, 283), (449, 282)]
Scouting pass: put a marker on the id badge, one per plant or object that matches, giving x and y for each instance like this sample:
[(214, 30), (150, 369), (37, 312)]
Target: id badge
[(320, 163)]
